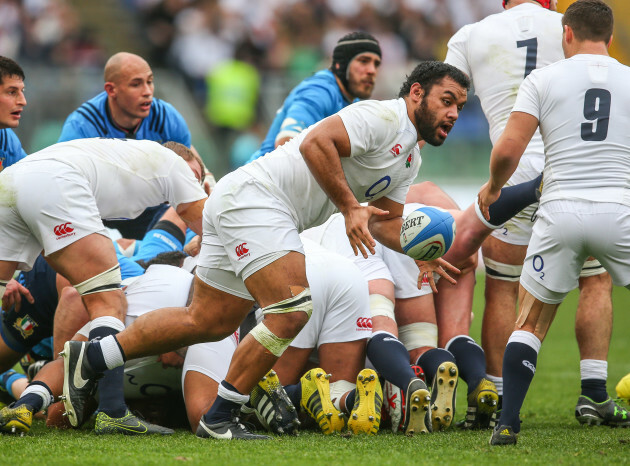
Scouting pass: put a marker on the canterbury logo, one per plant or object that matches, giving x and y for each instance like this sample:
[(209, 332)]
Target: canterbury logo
[(241, 250), (364, 322), (530, 366), (396, 150), (63, 229), (78, 380)]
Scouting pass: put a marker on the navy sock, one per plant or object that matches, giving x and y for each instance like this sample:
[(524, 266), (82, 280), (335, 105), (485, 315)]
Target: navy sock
[(470, 358), (111, 397), (350, 400), (294, 392), (431, 360), (33, 399), (513, 199), (222, 409), (595, 389), (390, 359), (519, 366)]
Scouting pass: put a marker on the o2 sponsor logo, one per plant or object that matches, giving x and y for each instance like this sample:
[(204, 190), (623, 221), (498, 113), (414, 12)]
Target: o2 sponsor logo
[(377, 188), (538, 264)]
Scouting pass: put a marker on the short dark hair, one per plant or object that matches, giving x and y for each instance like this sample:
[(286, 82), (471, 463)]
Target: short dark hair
[(590, 20), (174, 258), (10, 68), (428, 73)]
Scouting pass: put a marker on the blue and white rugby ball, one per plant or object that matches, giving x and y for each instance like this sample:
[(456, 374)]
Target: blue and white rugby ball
[(427, 233)]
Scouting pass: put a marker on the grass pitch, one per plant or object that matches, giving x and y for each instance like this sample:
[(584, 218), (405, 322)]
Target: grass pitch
[(549, 434)]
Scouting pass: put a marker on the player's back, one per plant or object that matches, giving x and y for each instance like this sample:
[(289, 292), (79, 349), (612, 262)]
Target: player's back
[(582, 106), (500, 51)]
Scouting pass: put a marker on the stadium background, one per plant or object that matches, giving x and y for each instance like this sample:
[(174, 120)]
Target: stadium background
[(227, 65)]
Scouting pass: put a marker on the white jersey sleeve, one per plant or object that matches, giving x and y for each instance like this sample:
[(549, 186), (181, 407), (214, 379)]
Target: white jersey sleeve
[(457, 54)]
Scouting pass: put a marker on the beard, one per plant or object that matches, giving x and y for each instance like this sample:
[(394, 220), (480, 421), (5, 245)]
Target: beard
[(356, 89), (427, 125)]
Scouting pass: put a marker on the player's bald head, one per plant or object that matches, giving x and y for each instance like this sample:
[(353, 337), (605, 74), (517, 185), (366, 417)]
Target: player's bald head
[(123, 63)]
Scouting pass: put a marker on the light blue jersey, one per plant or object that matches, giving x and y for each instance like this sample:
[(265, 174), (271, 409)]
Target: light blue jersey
[(93, 119), (10, 148), (312, 100)]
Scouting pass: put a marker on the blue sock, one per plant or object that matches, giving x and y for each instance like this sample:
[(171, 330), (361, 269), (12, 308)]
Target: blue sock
[(294, 392), (7, 379), (470, 358), (513, 199), (390, 359), (431, 360), (222, 409), (111, 396), (33, 399), (519, 366), (350, 400), (595, 389)]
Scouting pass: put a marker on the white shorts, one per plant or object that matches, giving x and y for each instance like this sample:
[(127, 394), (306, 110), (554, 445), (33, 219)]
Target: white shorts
[(341, 309), (48, 206), (145, 377), (518, 230), (405, 272), (244, 229), (564, 235), (210, 359)]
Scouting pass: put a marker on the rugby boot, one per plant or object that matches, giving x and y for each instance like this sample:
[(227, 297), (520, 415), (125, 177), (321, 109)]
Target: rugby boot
[(16, 420), (482, 406), (317, 403), (443, 394), (79, 381), (129, 424), (231, 429), (273, 406), (366, 413), (503, 435), (416, 411), (607, 413)]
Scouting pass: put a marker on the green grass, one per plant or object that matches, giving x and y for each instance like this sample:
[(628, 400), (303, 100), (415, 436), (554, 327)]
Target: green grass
[(550, 433)]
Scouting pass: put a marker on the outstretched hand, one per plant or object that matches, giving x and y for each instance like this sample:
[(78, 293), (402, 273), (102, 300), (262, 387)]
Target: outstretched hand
[(439, 266), (357, 219), (13, 295), (485, 198)]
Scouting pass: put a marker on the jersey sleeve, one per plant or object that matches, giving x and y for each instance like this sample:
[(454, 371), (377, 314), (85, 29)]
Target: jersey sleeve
[(312, 104), (181, 186), (176, 127), (457, 54), (528, 100), (370, 126)]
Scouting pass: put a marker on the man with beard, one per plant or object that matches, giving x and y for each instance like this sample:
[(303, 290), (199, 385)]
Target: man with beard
[(251, 250), (356, 59)]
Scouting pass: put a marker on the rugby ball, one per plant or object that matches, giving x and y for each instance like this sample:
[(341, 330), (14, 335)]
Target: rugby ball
[(623, 388), (427, 233)]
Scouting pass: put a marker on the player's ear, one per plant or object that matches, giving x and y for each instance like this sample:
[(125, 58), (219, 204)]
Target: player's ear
[(417, 91), (109, 88)]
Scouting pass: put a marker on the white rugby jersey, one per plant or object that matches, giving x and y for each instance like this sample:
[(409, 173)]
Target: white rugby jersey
[(384, 161), (125, 175), (498, 52), (582, 104)]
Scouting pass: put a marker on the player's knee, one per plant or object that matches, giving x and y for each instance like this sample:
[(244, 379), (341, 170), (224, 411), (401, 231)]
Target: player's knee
[(204, 326), (501, 271), (108, 280)]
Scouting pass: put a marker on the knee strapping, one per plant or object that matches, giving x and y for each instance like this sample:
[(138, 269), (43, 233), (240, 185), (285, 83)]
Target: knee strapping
[(274, 344), (301, 302), (501, 271), (106, 281), (592, 268), (381, 306), (418, 335), (269, 340)]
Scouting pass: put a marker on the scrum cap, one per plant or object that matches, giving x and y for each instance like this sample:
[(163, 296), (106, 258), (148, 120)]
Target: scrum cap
[(347, 48), (544, 3)]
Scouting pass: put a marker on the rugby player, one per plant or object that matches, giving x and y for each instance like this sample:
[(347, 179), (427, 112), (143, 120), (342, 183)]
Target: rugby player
[(583, 124), (528, 35), (12, 103)]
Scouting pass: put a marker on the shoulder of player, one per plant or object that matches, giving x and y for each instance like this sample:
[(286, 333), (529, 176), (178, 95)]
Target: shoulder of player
[(162, 114), (92, 112)]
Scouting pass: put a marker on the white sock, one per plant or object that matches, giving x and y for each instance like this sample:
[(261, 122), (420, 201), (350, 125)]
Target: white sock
[(111, 352), (593, 369), (498, 382), (40, 391)]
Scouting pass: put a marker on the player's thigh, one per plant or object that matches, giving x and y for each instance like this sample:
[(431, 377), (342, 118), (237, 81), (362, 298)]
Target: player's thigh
[(343, 360), (415, 310)]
